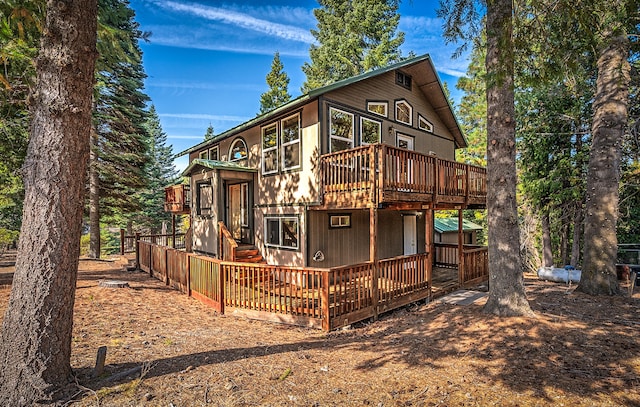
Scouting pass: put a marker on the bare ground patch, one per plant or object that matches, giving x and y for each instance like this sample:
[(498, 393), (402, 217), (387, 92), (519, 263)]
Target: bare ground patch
[(579, 351)]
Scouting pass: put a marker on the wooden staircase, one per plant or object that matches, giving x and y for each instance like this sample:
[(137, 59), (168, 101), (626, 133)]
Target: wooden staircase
[(249, 254)]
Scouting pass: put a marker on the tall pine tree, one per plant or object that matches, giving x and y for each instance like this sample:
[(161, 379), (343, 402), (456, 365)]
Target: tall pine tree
[(119, 147), (278, 81), (159, 172), (353, 37)]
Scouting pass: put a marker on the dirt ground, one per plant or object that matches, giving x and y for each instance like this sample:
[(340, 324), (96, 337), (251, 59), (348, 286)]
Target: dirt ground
[(579, 351)]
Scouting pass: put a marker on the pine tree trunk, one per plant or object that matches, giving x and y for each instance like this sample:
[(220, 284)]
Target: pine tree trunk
[(577, 234), (547, 251), (36, 331), (94, 199), (564, 244), (506, 282), (601, 208)]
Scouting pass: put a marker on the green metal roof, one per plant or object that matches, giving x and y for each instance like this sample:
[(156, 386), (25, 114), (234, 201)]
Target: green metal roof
[(318, 92), (215, 165), (444, 225)]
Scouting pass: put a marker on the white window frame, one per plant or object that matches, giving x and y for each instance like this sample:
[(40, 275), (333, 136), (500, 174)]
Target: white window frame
[(283, 145), (344, 139), (424, 124), (384, 104), (280, 220), (399, 102), (203, 155), (215, 149), (238, 140), (269, 149), (362, 120), (341, 221)]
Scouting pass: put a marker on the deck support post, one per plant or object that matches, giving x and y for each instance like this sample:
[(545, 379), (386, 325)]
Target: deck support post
[(137, 246), (460, 250), (373, 257), (121, 242), (429, 246), (173, 229)]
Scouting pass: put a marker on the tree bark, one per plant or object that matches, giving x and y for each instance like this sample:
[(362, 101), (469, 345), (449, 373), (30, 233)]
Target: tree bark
[(94, 198), (601, 208), (506, 283), (547, 251), (36, 331), (577, 234)]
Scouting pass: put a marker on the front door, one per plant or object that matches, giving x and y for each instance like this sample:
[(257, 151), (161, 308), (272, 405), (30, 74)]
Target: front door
[(410, 234), (238, 212)]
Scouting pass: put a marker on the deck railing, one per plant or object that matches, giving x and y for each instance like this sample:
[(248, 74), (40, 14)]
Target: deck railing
[(228, 245), (177, 199), (381, 173), (475, 261), (322, 298), (128, 242)]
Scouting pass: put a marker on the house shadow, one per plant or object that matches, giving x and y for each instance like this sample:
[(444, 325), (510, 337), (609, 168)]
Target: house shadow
[(592, 354)]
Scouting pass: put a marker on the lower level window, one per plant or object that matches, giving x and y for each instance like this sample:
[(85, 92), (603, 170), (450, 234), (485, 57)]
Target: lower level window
[(282, 232)]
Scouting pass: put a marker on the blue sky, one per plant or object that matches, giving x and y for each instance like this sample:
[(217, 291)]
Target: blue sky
[(207, 61)]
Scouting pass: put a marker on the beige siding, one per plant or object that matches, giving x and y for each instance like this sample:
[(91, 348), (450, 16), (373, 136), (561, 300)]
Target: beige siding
[(384, 88), (274, 255), (205, 228)]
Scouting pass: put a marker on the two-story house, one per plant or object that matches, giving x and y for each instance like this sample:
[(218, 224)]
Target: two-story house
[(344, 174)]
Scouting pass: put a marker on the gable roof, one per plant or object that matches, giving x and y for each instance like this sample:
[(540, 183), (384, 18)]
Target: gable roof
[(427, 80), (215, 165), (445, 225)]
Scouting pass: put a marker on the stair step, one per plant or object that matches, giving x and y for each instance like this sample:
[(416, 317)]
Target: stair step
[(247, 252)]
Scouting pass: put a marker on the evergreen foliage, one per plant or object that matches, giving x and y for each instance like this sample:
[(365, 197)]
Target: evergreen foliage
[(352, 37), (20, 28), (119, 113), (278, 81), (209, 134), (160, 173)]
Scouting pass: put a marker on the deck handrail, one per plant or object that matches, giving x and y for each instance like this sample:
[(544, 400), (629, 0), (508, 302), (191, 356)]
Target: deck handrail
[(228, 245), (381, 168)]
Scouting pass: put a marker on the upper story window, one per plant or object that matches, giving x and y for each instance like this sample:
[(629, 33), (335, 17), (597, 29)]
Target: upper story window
[(341, 130), (404, 112), (424, 124), (290, 142), (238, 150), (204, 155), (403, 79), (379, 108), (370, 131), (214, 153), (270, 149)]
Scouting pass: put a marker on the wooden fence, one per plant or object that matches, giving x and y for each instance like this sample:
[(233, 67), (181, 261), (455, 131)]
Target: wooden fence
[(128, 242)]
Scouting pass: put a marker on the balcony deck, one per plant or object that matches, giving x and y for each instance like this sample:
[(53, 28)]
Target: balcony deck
[(177, 199), (380, 174)]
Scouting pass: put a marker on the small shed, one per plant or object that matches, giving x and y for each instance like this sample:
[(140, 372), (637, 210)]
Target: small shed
[(446, 231)]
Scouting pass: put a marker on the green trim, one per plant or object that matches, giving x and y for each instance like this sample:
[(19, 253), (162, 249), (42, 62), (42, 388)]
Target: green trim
[(445, 225), (216, 165)]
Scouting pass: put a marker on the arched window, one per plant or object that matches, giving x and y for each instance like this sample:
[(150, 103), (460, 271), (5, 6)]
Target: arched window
[(238, 150)]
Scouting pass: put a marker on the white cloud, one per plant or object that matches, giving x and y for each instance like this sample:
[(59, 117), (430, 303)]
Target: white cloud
[(242, 20), (191, 116)]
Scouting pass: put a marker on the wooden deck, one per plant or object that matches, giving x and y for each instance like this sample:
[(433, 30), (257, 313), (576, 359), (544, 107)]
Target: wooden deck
[(378, 174), (314, 297)]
